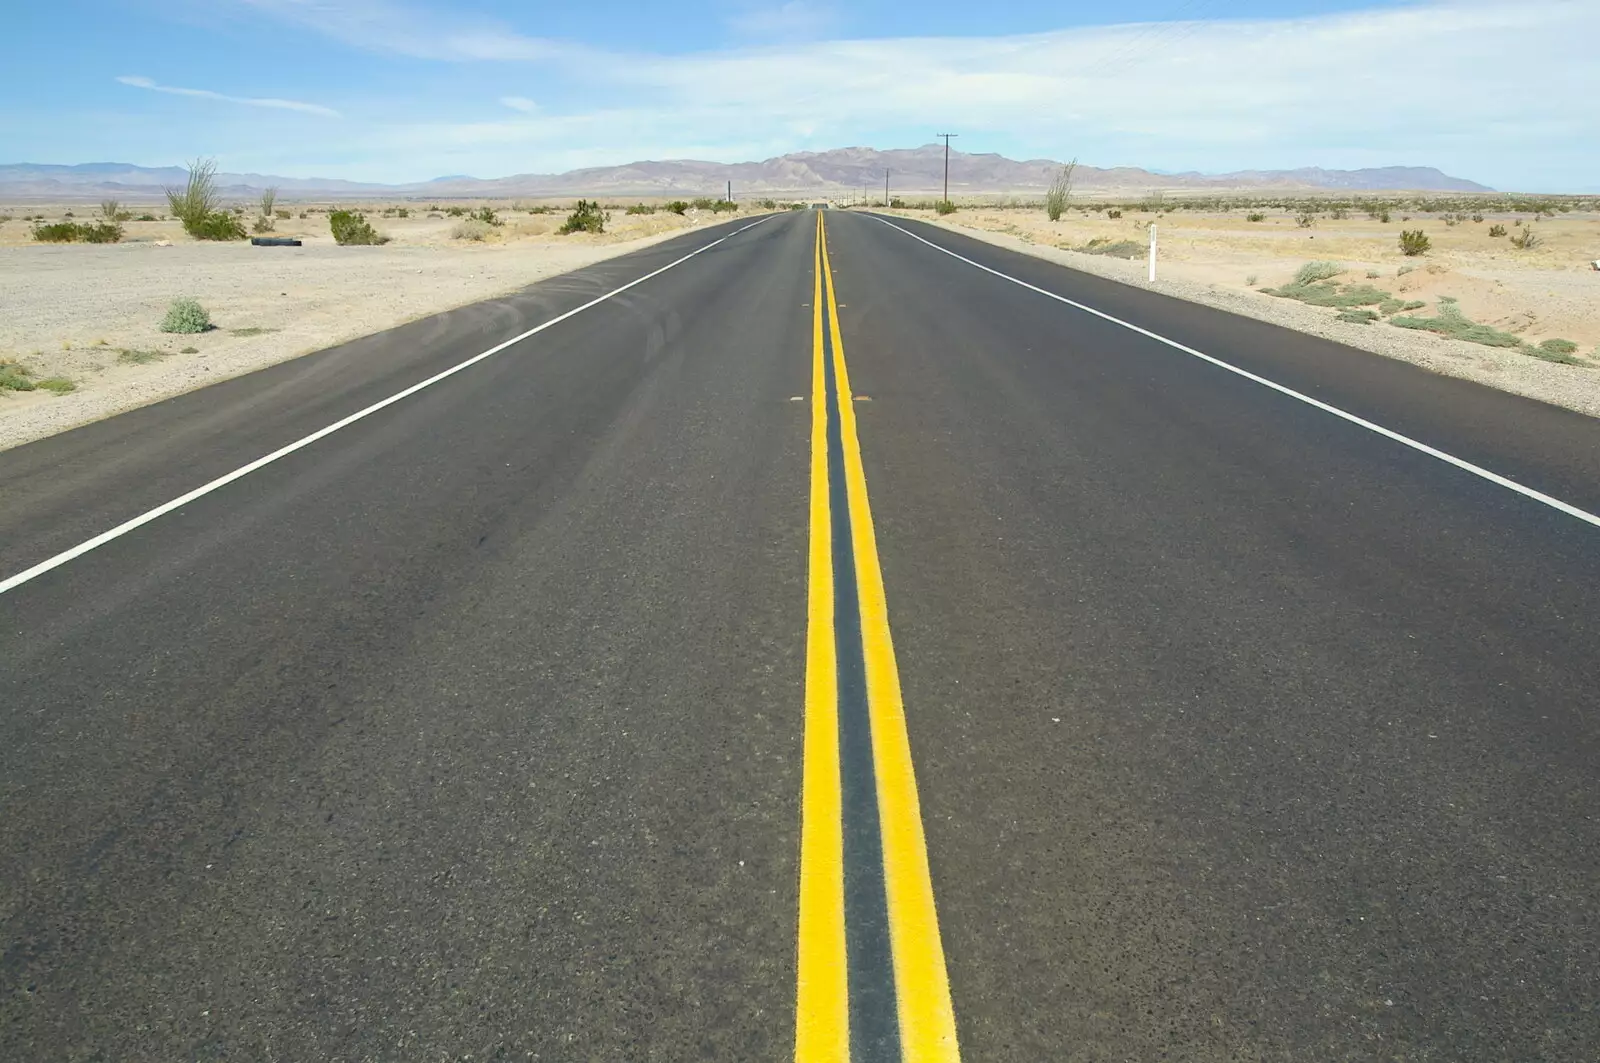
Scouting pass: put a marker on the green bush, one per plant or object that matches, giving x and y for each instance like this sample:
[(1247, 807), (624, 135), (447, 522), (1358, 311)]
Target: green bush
[(186, 316), (677, 206), (1102, 245), (62, 232), (944, 206), (897, 203), (586, 217), (352, 229), (487, 216), (641, 208), (1526, 240), (263, 225), (146, 217), (1255, 216), (723, 206), (769, 204), (1304, 220), (100, 232), (215, 226), (1558, 347), (1414, 242), (14, 377), (456, 212), (58, 384), (1358, 316), (1113, 214), (281, 215), (704, 203), (1497, 230), (1312, 272)]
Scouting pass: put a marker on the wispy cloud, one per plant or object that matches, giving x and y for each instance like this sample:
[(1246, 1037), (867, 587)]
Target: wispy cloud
[(792, 20), (520, 103), (1348, 89), (248, 101), (396, 29)]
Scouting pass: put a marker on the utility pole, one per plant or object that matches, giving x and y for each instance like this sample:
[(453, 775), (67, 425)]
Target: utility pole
[(886, 188), (730, 191), (947, 137)]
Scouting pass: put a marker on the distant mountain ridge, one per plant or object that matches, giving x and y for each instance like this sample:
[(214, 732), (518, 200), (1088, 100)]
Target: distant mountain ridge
[(912, 171)]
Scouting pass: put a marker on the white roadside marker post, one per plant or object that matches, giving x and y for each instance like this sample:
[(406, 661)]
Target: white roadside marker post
[(1152, 252)]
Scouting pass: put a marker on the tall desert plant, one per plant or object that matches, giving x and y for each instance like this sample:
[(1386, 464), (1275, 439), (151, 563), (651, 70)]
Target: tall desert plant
[(1055, 200), (199, 206)]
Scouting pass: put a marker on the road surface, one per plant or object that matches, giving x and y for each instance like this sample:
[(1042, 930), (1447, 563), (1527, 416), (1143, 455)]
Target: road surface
[(800, 642)]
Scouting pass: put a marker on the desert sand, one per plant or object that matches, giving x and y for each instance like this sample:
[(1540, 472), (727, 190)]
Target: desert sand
[(1550, 292), (89, 313)]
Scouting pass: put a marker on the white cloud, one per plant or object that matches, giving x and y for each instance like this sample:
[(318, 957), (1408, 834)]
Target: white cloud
[(1432, 83), (520, 103), (248, 101), (792, 20), (379, 26)]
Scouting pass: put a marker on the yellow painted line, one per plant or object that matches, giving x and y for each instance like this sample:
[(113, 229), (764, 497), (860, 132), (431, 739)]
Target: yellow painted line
[(922, 984), (822, 1012)]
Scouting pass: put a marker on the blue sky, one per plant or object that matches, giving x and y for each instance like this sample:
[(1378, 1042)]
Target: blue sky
[(1502, 91)]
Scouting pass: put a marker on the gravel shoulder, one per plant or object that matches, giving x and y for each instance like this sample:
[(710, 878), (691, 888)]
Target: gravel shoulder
[(91, 313), (1573, 387)]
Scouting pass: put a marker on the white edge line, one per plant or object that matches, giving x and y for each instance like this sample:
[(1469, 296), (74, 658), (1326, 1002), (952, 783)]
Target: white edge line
[(1389, 433), (162, 510)]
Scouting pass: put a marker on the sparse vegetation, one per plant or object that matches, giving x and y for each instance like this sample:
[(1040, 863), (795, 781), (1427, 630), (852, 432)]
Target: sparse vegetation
[(1526, 240), (944, 206), (677, 206), (186, 316), (1452, 323), (1113, 248), (15, 377), (66, 232), (1113, 214), (896, 203), (1497, 230), (1558, 347), (146, 217), (266, 222), (471, 229), (60, 385), (352, 229), (487, 216), (61, 232), (1254, 215), (1305, 219), (586, 217), (1251, 280), (641, 208), (1055, 199), (199, 206), (1414, 242), (111, 212), (137, 357)]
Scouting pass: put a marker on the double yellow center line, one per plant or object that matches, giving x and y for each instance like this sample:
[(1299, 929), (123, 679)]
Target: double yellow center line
[(872, 980)]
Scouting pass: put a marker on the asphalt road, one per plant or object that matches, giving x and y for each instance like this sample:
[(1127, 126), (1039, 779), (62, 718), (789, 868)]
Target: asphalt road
[(508, 720)]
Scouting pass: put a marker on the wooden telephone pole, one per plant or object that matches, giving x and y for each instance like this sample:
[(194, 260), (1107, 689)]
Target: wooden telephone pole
[(947, 137)]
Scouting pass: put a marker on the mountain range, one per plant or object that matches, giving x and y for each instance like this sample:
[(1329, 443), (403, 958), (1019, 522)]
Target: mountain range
[(911, 171)]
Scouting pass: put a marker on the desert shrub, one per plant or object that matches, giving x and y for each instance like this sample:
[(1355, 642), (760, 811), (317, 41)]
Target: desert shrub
[(487, 216), (62, 232), (263, 225), (1357, 316), (1113, 214), (1305, 220), (186, 316), (1115, 248), (641, 208), (1255, 216), (1414, 242), (1452, 323), (1312, 272), (471, 229), (302, 215), (1340, 214), (677, 206), (540, 209), (100, 232), (703, 203), (1477, 217), (146, 217), (281, 215), (111, 212), (15, 377), (199, 206), (897, 202), (350, 228), (60, 385), (1526, 240), (1055, 199), (944, 206), (723, 206), (769, 204), (1497, 230), (456, 212), (586, 217), (1251, 281), (1558, 346)]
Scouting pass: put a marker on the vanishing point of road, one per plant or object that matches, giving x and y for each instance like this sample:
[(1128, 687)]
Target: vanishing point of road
[(820, 637)]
